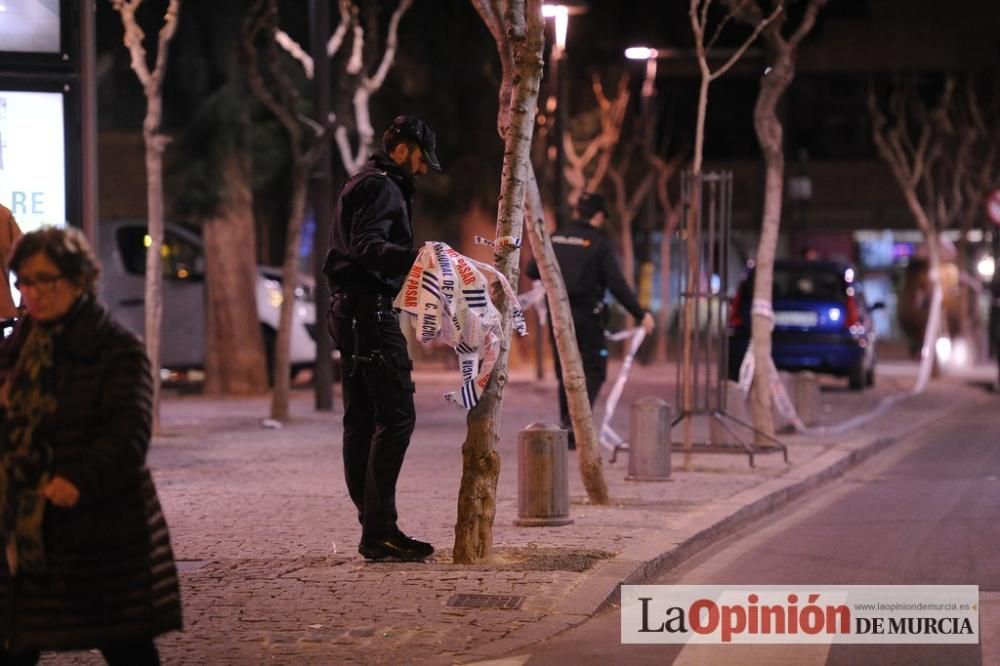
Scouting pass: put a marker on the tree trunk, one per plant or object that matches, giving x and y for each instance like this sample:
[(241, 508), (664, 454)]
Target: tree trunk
[(154, 263), (564, 332), (155, 143), (230, 291), (480, 462), (769, 135), (289, 278)]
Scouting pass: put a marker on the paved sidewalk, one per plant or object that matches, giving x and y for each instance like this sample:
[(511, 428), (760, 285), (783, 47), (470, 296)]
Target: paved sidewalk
[(266, 535)]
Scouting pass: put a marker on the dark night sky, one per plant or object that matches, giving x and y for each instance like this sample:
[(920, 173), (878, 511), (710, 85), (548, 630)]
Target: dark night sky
[(447, 71)]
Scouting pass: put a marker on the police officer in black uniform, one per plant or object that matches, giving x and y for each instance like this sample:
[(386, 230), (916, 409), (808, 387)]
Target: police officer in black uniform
[(589, 267), (371, 252)]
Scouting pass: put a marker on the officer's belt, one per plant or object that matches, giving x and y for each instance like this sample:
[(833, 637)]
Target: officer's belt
[(363, 300)]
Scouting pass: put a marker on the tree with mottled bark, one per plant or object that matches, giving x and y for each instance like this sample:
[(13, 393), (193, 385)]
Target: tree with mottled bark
[(155, 142), (782, 51), (698, 14), (209, 182), (564, 333), (307, 142), (520, 23)]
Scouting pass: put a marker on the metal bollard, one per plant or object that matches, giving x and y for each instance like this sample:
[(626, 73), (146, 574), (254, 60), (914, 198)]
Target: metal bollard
[(806, 397), (542, 476), (649, 440)]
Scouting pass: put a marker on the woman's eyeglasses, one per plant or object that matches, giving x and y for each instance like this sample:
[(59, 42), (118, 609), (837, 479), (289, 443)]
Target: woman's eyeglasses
[(41, 282)]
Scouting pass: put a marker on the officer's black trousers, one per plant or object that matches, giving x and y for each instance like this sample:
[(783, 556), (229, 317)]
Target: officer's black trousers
[(593, 354), (378, 406)]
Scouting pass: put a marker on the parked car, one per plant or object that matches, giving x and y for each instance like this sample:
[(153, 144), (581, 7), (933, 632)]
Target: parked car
[(821, 321), (122, 250)]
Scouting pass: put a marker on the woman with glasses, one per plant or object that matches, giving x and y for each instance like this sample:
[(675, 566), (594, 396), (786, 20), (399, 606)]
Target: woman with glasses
[(85, 559)]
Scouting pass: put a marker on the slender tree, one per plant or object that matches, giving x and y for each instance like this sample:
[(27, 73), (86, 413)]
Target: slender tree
[(906, 137), (782, 52), (521, 21), (155, 142), (307, 141)]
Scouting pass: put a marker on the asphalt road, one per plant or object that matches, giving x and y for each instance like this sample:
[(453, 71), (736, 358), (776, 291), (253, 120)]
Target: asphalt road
[(926, 511)]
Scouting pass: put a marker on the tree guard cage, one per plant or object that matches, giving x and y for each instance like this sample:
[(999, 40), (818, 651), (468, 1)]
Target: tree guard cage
[(701, 389)]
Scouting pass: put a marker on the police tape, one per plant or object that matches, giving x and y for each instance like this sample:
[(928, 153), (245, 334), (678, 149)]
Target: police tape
[(448, 296), (779, 396), (535, 298), (608, 438), (502, 241)]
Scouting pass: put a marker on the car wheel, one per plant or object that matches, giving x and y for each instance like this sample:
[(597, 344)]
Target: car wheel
[(856, 377)]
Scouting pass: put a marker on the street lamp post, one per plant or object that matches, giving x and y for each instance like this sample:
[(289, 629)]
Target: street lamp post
[(560, 12)]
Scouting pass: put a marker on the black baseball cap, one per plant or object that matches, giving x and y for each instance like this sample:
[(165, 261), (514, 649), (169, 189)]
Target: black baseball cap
[(414, 129), (590, 204)]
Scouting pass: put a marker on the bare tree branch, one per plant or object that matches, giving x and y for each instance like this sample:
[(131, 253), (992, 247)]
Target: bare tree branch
[(295, 50), (747, 42), (735, 7), (348, 15), (599, 147), (391, 44)]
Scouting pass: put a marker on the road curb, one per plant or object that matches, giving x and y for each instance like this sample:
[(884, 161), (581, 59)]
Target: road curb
[(645, 561)]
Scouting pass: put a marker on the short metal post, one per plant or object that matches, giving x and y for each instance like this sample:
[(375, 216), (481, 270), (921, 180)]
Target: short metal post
[(542, 476), (649, 440), (806, 397)]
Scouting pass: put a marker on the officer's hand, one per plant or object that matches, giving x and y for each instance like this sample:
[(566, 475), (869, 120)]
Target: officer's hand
[(648, 323)]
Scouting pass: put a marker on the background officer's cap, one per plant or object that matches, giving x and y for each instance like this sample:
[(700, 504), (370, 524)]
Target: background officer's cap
[(590, 204)]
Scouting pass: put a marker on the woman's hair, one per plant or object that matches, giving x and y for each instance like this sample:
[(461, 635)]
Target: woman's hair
[(67, 248)]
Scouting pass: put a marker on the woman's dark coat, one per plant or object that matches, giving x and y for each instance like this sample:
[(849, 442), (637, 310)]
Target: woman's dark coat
[(110, 576)]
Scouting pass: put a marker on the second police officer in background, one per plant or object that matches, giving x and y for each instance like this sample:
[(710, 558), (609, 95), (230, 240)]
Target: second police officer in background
[(589, 268)]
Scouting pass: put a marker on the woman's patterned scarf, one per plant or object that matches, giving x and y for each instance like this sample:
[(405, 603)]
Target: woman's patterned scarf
[(27, 398)]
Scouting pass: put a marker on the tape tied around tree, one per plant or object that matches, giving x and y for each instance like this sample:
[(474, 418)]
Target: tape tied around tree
[(762, 307), (779, 396), (448, 297), (502, 241)]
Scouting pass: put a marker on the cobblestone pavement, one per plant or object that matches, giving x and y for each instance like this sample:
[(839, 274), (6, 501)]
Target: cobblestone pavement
[(266, 535)]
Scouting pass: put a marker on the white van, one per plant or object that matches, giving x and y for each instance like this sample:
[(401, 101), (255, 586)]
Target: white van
[(122, 250)]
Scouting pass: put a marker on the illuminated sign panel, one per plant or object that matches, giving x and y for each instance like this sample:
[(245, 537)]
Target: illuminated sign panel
[(30, 26), (33, 157)]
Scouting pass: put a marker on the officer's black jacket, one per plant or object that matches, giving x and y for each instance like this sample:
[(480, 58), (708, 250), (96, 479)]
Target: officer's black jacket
[(588, 265), (371, 237)]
